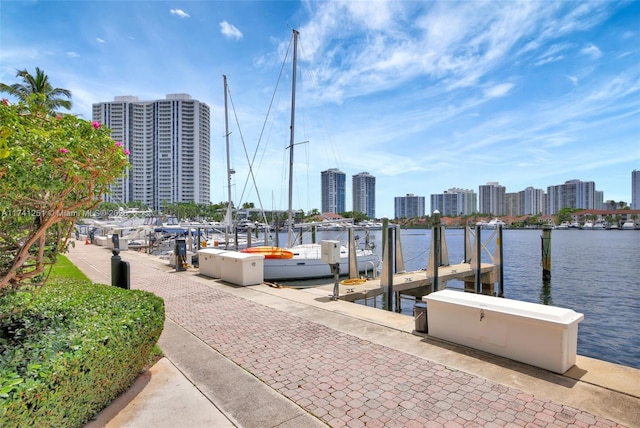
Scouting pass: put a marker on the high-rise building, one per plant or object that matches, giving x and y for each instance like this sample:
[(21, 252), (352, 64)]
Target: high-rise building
[(531, 201), (446, 203), (169, 144), (635, 190), (364, 194), (573, 194), (512, 204), (467, 200), (333, 191), (410, 206), (492, 199)]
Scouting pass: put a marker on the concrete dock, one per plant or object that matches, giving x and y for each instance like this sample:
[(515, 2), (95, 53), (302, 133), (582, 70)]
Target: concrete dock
[(260, 356)]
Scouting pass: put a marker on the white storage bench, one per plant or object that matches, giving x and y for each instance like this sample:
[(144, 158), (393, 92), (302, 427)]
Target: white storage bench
[(535, 334), (209, 262), (242, 268)]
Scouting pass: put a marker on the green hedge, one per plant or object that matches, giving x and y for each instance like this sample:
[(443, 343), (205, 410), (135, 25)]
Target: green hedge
[(69, 348)]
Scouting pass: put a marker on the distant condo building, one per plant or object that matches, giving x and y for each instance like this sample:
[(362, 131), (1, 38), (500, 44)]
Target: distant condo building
[(169, 142), (491, 199), (455, 202), (333, 191), (364, 194), (574, 194), (410, 206), (467, 200), (512, 204), (531, 201), (635, 190), (446, 203)]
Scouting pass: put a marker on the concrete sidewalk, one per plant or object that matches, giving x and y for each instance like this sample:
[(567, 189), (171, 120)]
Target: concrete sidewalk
[(264, 357)]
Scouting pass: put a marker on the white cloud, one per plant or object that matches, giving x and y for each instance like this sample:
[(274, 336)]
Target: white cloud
[(574, 80), (591, 50), (498, 90), (73, 54), (230, 31), (179, 12), (99, 40), (548, 60)]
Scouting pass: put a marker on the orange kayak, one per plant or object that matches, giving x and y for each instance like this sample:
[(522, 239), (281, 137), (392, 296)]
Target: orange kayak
[(269, 252)]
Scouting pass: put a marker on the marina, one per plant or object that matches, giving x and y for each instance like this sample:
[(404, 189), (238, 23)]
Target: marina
[(592, 272), (324, 358)]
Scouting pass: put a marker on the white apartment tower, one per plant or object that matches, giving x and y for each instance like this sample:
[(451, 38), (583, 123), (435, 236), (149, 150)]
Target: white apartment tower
[(467, 200), (492, 199), (446, 204), (531, 201), (410, 206), (364, 194), (573, 194), (333, 187), (169, 144)]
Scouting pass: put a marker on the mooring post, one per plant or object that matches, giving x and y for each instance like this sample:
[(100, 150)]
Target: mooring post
[(390, 266), (478, 259), (249, 236), (546, 252), (501, 266), (436, 247), (313, 234), (235, 237), (436, 256), (466, 243)]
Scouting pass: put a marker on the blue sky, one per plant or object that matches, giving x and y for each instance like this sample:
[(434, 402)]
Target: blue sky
[(425, 96)]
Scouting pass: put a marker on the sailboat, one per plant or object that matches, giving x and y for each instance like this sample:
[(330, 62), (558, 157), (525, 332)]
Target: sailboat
[(303, 261)]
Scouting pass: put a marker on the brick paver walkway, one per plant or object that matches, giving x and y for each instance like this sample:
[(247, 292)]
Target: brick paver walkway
[(344, 380)]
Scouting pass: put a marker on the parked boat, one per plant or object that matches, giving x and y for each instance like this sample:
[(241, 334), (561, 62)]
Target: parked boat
[(306, 262), (493, 224), (269, 252), (600, 225), (588, 225), (628, 225)]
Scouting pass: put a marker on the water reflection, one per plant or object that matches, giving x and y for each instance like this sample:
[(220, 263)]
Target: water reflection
[(545, 292)]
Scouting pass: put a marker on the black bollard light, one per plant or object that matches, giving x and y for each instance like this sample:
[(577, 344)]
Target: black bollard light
[(120, 271), (115, 261)]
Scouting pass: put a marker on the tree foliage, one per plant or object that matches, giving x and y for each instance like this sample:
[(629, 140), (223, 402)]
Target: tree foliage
[(52, 98), (53, 170)]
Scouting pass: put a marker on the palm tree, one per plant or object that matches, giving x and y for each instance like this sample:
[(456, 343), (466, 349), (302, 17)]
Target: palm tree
[(47, 96)]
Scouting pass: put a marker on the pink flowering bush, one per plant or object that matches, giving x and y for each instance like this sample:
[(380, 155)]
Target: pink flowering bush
[(53, 169)]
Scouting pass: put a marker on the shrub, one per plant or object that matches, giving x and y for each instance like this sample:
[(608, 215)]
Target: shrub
[(69, 348)]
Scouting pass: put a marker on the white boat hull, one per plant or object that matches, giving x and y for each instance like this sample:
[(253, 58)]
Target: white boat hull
[(307, 264)]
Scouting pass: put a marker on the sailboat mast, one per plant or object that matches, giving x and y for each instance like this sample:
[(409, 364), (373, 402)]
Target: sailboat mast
[(226, 127), (291, 139)]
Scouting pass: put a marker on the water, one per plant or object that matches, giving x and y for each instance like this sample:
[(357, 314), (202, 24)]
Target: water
[(595, 272)]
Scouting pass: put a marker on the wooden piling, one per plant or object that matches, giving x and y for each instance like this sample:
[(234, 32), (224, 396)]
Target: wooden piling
[(546, 252), (436, 255), (478, 283)]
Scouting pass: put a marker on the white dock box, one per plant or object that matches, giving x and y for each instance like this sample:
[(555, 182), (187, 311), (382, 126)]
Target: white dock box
[(535, 334), (209, 261), (242, 268)]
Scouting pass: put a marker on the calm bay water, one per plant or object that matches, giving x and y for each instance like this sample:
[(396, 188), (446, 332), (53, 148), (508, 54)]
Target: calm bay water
[(594, 272)]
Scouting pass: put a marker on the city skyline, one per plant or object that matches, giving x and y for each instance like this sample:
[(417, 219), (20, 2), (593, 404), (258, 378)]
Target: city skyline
[(423, 95)]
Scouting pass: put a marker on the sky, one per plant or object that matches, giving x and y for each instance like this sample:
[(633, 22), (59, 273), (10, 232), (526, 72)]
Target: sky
[(423, 95)]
